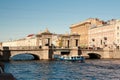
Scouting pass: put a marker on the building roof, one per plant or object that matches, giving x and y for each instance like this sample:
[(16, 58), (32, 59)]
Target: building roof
[(80, 23), (87, 21)]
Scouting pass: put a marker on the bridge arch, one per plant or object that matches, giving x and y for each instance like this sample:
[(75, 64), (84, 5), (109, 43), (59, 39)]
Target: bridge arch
[(36, 55), (94, 56)]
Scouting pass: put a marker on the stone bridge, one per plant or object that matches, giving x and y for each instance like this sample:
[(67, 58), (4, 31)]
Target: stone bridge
[(38, 53), (93, 53), (47, 53), (89, 53), (101, 53)]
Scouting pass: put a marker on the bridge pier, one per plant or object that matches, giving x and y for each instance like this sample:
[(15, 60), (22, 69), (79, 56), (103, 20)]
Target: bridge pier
[(110, 53), (106, 53), (47, 52), (5, 54), (74, 51)]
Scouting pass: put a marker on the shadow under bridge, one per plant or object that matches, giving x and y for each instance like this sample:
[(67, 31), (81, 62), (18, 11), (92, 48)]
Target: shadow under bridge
[(94, 56), (25, 56)]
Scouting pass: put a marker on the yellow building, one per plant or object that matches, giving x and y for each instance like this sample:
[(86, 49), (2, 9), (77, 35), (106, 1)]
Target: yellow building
[(83, 27)]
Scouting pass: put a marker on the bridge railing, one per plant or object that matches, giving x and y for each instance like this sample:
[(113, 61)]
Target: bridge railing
[(91, 48), (24, 48)]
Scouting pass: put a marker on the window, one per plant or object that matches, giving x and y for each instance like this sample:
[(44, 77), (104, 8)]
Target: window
[(105, 38), (101, 42), (117, 27), (118, 41), (48, 42), (76, 42), (68, 43), (93, 39), (117, 33)]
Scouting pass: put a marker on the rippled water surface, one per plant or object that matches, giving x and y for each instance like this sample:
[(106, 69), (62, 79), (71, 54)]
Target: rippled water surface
[(65, 70)]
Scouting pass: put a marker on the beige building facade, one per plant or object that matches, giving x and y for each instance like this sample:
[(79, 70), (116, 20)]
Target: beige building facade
[(28, 41), (101, 36), (98, 33), (117, 33), (83, 27), (105, 35)]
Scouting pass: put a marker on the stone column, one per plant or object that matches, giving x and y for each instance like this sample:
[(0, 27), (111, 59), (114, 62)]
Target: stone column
[(74, 51), (45, 53), (6, 54)]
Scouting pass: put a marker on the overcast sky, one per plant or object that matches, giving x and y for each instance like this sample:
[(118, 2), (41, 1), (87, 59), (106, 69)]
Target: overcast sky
[(18, 18)]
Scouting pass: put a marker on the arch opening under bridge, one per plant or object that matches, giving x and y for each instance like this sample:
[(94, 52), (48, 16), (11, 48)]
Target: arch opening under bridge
[(24, 56), (94, 56)]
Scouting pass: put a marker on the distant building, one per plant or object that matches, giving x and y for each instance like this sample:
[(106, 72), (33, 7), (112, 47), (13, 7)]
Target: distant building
[(83, 27), (28, 41), (117, 33), (101, 36), (46, 39), (105, 35)]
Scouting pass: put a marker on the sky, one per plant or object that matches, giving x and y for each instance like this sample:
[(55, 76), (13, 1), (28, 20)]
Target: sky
[(18, 18)]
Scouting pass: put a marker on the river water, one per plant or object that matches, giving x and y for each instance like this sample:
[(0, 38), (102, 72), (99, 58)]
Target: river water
[(65, 70)]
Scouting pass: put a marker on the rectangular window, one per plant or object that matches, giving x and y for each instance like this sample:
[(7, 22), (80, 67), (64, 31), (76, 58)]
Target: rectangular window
[(118, 41), (48, 41), (76, 42), (117, 27), (117, 34), (68, 43), (101, 42)]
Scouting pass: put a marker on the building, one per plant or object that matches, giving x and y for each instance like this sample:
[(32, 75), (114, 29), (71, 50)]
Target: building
[(83, 27), (117, 33), (46, 38), (105, 35), (28, 41)]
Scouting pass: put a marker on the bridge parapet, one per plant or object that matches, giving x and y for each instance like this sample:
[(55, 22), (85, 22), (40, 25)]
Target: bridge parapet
[(92, 49), (104, 53), (22, 48)]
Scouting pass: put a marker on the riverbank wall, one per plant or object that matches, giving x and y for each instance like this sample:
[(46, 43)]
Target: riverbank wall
[(3, 75)]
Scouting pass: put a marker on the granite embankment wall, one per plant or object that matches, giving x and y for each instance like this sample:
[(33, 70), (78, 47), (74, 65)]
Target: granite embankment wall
[(3, 75)]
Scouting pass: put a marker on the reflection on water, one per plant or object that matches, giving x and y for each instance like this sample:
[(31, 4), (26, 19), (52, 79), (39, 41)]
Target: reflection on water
[(65, 70)]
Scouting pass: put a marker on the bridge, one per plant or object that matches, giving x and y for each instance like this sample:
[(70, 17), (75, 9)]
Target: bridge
[(95, 54), (105, 53), (38, 52), (48, 52), (43, 47)]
